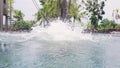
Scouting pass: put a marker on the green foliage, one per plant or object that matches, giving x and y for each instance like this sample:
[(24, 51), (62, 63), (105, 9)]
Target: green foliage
[(22, 25), (30, 22), (74, 12), (95, 10), (107, 24), (56, 8), (10, 6), (90, 26), (42, 2), (19, 23), (18, 15), (10, 1), (117, 26)]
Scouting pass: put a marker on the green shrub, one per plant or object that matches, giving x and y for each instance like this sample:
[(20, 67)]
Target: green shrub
[(21, 25), (107, 24), (90, 26), (117, 26), (31, 22)]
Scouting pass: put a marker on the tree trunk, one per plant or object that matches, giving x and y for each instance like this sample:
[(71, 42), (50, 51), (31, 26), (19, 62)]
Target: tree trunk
[(45, 18), (58, 7), (6, 23), (1, 15), (64, 9), (69, 6), (10, 13)]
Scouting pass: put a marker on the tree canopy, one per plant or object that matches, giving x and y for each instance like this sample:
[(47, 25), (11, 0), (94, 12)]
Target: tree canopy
[(65, 9)]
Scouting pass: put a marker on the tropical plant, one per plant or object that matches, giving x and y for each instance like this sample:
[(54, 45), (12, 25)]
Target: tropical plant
[(10, 5), (47, 11), (18, 15), (19, 23), (117, 26), (58, 8), (107, 24), (95, 10)]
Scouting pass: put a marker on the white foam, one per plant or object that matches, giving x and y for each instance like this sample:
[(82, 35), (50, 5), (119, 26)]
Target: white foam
[(57, 31)]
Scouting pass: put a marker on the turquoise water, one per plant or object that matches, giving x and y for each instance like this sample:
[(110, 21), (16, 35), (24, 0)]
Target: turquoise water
[(101, 51)]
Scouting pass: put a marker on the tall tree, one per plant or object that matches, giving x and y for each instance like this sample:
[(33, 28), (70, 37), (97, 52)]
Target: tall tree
[(1, 15), (95, 10), (69, 6), (18, 15), (58, 7), (65, 9), (10, 9)]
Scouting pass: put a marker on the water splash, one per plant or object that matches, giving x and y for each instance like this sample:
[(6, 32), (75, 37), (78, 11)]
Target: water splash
[(57, 31)]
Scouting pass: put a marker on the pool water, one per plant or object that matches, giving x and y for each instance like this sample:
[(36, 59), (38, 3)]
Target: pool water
[(101, 51)]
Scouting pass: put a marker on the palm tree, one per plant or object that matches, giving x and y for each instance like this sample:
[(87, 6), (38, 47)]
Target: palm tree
[(18, 15), (69, 6), (59, 8), (10, 9), (49, 9), (62, 8)]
